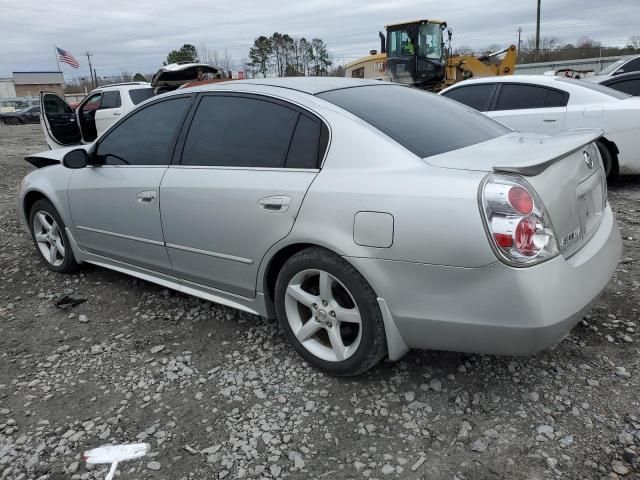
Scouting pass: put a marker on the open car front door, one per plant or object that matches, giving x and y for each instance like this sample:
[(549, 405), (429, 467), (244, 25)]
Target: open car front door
[(58, 121)]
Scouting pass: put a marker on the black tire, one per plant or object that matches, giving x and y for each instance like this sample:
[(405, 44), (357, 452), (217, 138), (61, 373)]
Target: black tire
[(607, 159), (373, 344), (69, 263)]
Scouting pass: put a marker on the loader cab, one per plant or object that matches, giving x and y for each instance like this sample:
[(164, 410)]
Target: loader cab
[(416, 52)]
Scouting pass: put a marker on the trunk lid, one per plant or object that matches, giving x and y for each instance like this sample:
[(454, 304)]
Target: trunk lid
[(565, 170), (172, 76)]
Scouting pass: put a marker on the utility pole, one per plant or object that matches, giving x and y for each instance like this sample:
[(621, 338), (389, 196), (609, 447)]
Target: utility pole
[(89, 55), (538, 34), (519, 41)]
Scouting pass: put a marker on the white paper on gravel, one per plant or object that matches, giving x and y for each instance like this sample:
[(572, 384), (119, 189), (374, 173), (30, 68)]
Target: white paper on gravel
[(115, 454)]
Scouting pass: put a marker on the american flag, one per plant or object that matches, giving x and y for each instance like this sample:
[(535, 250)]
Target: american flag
[(67, 58)]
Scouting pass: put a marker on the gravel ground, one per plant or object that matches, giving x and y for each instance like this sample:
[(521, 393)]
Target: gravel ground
[(218, 393)]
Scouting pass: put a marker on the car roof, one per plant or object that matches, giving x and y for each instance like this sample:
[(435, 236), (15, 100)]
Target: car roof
[(539, 79), (122, 84), (310, 85)]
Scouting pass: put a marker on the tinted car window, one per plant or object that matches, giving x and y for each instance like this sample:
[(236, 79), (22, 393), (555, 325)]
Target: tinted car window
[(303, 152), (146, 137), (54, 104), (556, 98), (424, 123), (138, 95), (632, 66), (474, 96), (111, 99), (631, 86), (239, 132), (516, 97), (596, 87)]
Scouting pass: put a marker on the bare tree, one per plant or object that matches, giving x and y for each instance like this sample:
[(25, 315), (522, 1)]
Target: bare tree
[(634, 42), (587, 42), (463, 50)]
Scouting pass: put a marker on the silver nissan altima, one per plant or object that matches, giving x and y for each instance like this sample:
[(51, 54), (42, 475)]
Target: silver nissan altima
[(368, 218)]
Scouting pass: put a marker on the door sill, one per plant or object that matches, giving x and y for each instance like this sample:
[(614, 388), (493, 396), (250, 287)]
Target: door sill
[(195, 289)]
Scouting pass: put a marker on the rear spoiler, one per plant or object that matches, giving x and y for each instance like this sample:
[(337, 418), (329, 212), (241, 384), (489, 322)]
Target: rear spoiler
[(569, 142)]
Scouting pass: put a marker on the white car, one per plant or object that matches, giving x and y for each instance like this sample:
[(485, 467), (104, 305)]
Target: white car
[(624, 65), (93, 115), (103, 106), (549, 105)]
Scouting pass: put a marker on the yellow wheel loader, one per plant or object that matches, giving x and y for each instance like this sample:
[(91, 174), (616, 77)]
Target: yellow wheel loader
[(414, 53)]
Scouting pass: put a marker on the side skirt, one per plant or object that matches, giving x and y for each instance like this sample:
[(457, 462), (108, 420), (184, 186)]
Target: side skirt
[(255, 306)]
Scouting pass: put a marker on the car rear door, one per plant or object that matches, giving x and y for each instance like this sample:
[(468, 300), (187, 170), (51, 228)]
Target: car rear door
[(530, 108), (109, 111), (114, 202), (58, 121), (246, 164)]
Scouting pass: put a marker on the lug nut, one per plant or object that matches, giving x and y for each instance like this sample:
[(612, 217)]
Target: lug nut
[(329, 324), (332, 313), (324, 302), (315, 306)]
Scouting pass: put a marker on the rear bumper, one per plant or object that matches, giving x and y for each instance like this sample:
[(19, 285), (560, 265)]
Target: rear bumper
[(495, 309)]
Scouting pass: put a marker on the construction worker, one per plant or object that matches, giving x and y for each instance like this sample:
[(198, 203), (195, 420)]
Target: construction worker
[(410, 47)]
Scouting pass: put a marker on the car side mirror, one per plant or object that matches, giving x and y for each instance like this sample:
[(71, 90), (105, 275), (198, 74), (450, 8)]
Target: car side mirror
[(76, 158)]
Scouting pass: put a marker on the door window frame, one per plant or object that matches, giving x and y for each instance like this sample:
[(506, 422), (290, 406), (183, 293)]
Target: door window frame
[(497, 91), (172, 144), (324, 141)]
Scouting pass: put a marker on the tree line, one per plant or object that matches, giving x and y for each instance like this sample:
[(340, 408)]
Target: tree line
[(285, 56), (552, 49)]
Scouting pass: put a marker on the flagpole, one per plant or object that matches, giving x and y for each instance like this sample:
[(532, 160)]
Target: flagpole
[(55, 50)]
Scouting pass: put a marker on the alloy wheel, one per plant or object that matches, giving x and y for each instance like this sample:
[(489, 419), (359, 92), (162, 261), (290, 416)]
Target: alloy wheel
[(48, 238), (323, 315)]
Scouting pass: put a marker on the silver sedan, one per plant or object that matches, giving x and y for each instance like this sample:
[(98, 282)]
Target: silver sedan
[(368, 218)]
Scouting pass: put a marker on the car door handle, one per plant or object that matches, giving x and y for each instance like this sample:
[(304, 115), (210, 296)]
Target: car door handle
[(115, 114), (147, 197), (275, 204), (549, 120)]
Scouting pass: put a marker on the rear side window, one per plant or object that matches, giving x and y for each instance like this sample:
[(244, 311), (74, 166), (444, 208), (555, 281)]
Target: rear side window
[(556, 98), (138, 95), (424, 123), (474, 96), (516, 97), (305, 144), (237, 131), (111, 99), (146, 137), (632, 86)]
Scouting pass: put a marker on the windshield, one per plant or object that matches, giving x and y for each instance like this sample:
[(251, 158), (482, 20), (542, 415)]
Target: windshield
[(613, 67), (422, 122), (430, 40), (425, 41), (596, 87)]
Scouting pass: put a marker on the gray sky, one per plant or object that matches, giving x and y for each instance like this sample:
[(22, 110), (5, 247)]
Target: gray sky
[(137, 35)]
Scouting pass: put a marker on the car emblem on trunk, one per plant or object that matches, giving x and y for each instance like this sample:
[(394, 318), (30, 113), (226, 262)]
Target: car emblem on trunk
[(587, 159)]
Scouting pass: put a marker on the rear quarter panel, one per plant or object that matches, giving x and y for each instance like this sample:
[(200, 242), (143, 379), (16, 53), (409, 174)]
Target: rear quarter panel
[(436, 217), (621, 122)]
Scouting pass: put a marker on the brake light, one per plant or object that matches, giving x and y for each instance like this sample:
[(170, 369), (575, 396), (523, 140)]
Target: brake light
[(518, 225), (520, 200)]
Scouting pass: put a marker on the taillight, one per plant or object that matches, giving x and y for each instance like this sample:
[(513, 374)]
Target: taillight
[(517, 223)]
